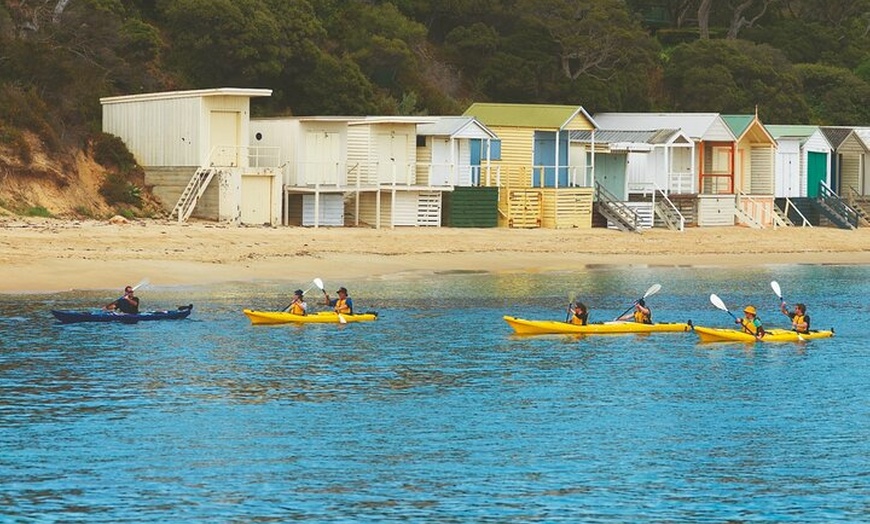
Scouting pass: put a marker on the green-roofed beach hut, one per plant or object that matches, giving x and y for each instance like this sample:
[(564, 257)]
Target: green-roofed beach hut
[(753, 171), (543, 176)]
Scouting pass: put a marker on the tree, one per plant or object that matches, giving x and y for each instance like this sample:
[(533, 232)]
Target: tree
[(836, 95)]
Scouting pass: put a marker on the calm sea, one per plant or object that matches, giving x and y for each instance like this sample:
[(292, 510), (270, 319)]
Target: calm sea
[(436, 413)]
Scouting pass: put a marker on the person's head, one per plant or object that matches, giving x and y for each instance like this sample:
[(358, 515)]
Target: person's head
[(749, 311), (580, 307), (342, 291), (641, 303), (800, 308), (128, 290), (298, 293)]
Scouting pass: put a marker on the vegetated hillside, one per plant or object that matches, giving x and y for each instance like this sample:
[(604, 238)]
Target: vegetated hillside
[(796, 61)]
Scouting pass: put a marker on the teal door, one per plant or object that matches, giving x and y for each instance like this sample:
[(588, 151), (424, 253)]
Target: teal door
[(816, 172), (610, 173)]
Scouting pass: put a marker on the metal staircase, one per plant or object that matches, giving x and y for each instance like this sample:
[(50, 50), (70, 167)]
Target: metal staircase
[(192, 193), (623, 217), (854, 202), (835, 208), (668, 212)]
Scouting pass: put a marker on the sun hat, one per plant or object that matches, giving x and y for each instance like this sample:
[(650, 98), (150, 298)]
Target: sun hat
[(749, 309)]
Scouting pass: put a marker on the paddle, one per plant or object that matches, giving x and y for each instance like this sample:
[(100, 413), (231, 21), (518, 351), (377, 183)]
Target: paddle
[(571, 297), (716, 301), (316, 282), (653, 289), (778, 290), (143, 282), (319, 283)]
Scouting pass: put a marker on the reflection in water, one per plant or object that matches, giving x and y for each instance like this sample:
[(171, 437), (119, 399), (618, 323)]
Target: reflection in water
[(437, 412)]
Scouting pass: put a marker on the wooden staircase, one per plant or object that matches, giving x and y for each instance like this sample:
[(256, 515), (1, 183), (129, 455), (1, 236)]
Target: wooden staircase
[(192, 193), (782, 217), (835, 208), (622, 216), (855, 201), (668, 212)]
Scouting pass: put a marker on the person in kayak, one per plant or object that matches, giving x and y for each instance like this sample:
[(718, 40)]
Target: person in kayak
[(298, 306), (579, 314), (641, 314), (751, 323), (800, 321), (342, 305), (128, 304)]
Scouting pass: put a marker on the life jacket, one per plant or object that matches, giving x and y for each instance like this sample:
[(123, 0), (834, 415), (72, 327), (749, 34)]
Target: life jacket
[(296, 309), (751, 327), (800, 319), (641, 317), (342, 307), (579, 320)]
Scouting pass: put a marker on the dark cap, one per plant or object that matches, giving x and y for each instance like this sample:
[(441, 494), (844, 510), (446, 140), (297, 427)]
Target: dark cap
[(298, 292), (641, 303), (342, 290)]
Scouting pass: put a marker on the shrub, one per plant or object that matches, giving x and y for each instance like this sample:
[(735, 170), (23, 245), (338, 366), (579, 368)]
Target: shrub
[(117, 190), (111, 152), (38, 211)]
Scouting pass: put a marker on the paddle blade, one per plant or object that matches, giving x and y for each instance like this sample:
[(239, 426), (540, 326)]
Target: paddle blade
[(653, 289), (776, 289), (318, 283), (341, 319), (143, 282), (716, 301)]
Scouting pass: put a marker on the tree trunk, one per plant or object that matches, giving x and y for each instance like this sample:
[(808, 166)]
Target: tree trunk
[(704, 18)]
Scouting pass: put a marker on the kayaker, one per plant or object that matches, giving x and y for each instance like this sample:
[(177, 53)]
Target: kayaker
[(751, 323), (298, 306), (641, 314), (800, 321), (128, 304), (579, 313), (343, 304)]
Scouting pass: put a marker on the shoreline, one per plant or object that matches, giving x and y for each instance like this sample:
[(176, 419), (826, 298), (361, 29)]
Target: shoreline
[(46, 255)]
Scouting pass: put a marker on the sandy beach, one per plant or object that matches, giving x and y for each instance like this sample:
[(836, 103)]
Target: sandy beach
[(45, 255)]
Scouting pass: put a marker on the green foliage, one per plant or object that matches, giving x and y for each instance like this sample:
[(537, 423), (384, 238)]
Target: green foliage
[(38, 211), (111, 152), (836, 95), (117, 190)]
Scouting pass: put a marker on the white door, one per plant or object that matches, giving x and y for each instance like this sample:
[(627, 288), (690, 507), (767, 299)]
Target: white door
[(256, 199), (442, 163), (225, 132), (392, 158), (788, 170), (322, 159)]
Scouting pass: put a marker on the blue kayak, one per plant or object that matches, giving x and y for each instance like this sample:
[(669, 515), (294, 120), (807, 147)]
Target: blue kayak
[(72, 317)]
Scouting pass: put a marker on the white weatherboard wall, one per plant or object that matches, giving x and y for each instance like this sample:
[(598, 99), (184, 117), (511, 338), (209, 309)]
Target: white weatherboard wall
[(313, 150), (330, 210)]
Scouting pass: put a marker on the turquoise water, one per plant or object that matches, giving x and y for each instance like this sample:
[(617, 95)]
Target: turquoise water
[(436, 412)]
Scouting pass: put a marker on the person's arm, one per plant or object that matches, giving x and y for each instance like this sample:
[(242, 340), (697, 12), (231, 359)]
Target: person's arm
[(349, 303), (784, 310)]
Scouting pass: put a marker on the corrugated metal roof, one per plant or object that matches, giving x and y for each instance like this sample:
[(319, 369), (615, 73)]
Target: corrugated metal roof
[(540, 116), (653, 137), (454, 126), (695, 125), (778, 131)]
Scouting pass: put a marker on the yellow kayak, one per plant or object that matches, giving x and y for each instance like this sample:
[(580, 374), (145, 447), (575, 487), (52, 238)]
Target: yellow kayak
[(771, 335), (522, 326), (320, 317)]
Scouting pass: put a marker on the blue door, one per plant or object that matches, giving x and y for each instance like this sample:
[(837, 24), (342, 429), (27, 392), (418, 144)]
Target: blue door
[(545, 161), (610, 173)]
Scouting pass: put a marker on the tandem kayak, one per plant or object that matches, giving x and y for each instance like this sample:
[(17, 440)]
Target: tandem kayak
[(522, 326), (320, 317), (72, 317), (771, 335)]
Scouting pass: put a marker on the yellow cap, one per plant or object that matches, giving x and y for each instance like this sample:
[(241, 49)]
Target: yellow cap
[(750, 310)]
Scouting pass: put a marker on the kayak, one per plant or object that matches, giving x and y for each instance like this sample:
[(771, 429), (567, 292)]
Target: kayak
[(72, 317), (320, 317), (771, 335), (548, 327)]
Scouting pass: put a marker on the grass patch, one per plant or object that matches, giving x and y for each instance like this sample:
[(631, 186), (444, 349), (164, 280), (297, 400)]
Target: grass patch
[(38, 211)]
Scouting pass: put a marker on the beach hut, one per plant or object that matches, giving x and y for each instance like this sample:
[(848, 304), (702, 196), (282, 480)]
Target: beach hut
[(451, 153), (708, 190), (802, 163), (314, 167), (544, 179), (754, 171), (184, 140), (387, 187)]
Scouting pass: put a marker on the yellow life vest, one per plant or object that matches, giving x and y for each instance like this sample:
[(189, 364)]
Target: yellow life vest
[(341, 306), (799, 319), (643, 318), (296, 309)]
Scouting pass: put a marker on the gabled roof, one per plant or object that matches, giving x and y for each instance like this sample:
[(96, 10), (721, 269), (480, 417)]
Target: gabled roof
[(194, 93), (695, 125), (778, 131), (863, 135), (835, 134), (750, 126), (456, 126), (539, 116), (369, 120)]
